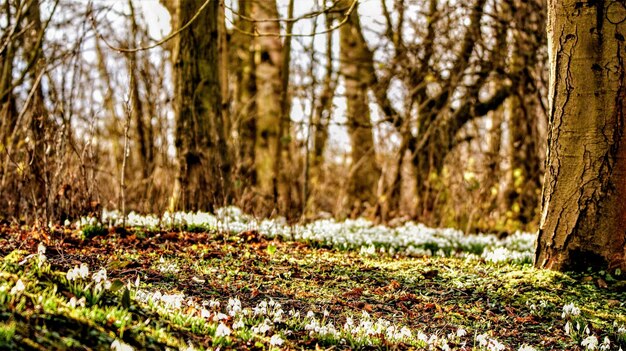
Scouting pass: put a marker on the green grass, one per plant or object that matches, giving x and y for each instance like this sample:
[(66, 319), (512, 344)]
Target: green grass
[(433, 298)]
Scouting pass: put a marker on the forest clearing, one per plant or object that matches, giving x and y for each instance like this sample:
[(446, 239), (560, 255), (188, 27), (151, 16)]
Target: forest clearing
[(328, 286)]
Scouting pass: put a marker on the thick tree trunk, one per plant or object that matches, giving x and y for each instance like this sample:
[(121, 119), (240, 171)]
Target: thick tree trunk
[(204, 168), (364, 171), (583, 221)]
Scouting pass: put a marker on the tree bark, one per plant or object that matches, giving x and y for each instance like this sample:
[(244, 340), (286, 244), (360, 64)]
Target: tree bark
[(583, 220), (524, 173), (245, 106), (364, 171), (268, 62), (203, 181)]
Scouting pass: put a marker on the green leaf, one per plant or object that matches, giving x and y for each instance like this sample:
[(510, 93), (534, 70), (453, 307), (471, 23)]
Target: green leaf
[(126, 298), (116, 285), (271, 249)]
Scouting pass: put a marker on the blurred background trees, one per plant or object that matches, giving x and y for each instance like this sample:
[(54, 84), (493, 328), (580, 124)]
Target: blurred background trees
[(432, 110)]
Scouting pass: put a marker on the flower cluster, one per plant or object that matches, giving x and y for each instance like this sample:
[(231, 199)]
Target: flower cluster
[(484, 341), (410, 239)]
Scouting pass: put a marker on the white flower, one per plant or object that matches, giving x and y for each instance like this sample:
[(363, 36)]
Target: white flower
[(482, 339), (238, 324), (495, 345), (99, 276), (460, 333), (233, 307), (204, 313), (590, 343), (568, 328), (18, 288), (606, 344), (83, 271), (219, 317), (570, 310), (222, 330), (71, 274), (41, 249), (526, 348), (214, 304), (310, 314), (262, 328), (276, 340), (118, 345)]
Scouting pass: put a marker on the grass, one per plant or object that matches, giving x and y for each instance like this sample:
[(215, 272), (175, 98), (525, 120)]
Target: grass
[(245, 291)]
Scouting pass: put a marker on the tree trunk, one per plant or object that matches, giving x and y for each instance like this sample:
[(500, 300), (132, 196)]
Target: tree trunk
[(142, 124), (37, 112), (200, 138), (245, 107), (268, 60), (524, 174), (284, 166), (364, 171), (583, 221)]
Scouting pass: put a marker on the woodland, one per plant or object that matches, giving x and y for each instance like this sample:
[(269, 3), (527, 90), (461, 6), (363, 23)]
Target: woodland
[(312, 174)]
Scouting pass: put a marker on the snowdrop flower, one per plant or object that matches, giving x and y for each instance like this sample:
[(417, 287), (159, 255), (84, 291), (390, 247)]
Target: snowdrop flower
[(83, 271), (278, 316), (482, 340), (570, 310), (41, 251), (460, 333), (310, 314), (73, 302), (349, 323), (495, 345), (99, 276), (422, 337), (233, 307), (214, 304), (118, 345), (239, 324), (204, 313), (590, 343), (219, 317), (18, 288), (262, 328), (276, 340), (222, 330), (606, 344), (526, 348)]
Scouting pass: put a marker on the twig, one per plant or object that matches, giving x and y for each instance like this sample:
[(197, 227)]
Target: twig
[(152, 46)]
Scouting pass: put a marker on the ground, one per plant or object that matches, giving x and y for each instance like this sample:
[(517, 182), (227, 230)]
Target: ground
[(212, 288)]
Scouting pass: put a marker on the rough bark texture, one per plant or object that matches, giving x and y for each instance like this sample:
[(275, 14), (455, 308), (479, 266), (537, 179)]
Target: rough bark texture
[(268, 60), (364, 172), (583, 222), (204, 168)]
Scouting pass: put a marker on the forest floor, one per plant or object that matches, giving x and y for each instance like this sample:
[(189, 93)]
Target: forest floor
[(181, 290)]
